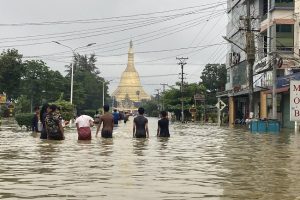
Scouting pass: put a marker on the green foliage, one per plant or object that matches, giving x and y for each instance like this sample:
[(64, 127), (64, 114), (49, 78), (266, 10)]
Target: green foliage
[(22, 104), (3, 111), (214, 79), (172, 98), (88, 86), (212, 117), (24, 119), (151, 108), (10, 72), (66, 109), (84, 63), (90, 113), (31, 82), (40, 83)]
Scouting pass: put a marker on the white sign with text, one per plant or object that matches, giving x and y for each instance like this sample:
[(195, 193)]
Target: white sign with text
[(295, 100)]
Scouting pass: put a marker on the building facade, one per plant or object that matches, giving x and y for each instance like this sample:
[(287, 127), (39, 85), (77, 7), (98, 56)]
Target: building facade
[(275, 29)]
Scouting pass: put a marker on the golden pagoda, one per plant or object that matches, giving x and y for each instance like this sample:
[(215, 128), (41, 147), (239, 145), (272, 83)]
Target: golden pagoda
[(130, 89)]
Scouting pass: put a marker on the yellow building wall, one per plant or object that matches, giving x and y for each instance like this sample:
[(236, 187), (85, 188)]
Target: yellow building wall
[(263, 105), (231, 112)]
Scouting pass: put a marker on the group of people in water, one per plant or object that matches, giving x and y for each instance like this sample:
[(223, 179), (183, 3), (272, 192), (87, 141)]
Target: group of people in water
[(53, 124)]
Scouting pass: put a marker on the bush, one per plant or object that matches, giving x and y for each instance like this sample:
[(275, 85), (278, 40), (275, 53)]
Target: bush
[(213, 117), (4, 112), (24, 119), (66, 109), (90, 113), (22, 104)]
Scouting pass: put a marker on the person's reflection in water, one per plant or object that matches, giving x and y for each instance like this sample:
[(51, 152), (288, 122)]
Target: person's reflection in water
[(139, 145), (48, 151), (84, 141), (163, 142), (106, 146)]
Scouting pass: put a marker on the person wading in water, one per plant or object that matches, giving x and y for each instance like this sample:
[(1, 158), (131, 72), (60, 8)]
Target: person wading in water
[(83, 124), (108, 123), (55, 130), (140, 125), (163, 125)]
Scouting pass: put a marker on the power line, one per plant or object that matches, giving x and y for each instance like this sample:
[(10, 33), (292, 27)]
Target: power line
[(100, 29), (103, 19), (88, 36)]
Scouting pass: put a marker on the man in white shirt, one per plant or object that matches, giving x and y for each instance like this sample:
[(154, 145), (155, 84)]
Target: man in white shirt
[(83, 124)]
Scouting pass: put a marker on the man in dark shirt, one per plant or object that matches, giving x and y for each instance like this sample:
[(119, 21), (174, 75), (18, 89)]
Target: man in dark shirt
[(140, 125), (163, 125)]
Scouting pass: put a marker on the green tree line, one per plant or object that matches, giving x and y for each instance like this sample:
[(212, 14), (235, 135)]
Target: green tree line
[(29, 83), (212, 80)]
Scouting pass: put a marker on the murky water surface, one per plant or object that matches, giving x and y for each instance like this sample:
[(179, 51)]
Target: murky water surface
[(196, 162)]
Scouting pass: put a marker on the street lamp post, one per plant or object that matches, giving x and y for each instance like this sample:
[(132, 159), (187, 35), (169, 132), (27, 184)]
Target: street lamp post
[(72, 66), (103, 88)]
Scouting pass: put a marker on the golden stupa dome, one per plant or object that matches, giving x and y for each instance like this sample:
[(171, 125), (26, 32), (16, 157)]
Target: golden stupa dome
[(130, 85)]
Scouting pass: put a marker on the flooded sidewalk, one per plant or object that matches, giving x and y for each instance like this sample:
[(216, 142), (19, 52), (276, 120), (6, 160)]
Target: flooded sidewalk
[(196, 162)]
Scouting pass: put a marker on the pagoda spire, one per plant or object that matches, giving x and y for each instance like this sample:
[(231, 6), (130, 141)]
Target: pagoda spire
[(130, 62), (130, 88)]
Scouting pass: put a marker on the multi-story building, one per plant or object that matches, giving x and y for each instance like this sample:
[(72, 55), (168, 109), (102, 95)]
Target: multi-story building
[(275, 26)]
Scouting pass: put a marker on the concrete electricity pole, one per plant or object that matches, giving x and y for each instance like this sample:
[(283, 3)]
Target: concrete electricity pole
[(274, 94), (182, 63), (158, 98), (164, 89), (250, 52)]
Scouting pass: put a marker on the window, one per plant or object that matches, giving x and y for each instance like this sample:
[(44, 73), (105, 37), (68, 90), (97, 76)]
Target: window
[(285, 37), (265, 45), (284, 3), (265, 7)]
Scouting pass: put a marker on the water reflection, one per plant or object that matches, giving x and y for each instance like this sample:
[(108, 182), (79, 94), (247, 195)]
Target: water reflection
[(106, 145), (256, 166), (139, 146), (195, 162)]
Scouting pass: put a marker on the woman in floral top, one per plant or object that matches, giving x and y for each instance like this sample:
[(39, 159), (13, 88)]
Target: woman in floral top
[(54, 128)]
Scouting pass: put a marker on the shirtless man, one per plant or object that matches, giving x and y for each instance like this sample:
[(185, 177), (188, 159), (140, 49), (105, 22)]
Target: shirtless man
[(108, 123), (140, 125)]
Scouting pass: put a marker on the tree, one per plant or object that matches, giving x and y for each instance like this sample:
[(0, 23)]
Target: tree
[(88, 85), (33, 80), (40, 83), (150, 107), (83, 63), (172, 98), (55, 85), (10, 72), (214, 77)]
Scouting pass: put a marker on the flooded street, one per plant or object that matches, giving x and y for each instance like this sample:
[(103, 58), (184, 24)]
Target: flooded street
[(195, 162)]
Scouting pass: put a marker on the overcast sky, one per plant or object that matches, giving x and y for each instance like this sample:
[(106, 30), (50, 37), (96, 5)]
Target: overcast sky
[(160, 31)]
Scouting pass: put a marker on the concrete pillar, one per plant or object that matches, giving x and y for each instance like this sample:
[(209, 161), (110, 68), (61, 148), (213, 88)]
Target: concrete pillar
[(231, 112), (263, 105)]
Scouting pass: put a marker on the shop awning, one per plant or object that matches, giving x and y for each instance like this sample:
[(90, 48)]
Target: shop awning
[(279, 90)]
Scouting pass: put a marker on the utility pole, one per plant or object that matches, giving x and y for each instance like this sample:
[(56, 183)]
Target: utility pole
[(274, 94), (250, 51), (164, 89), (182, 63), (158, 98)]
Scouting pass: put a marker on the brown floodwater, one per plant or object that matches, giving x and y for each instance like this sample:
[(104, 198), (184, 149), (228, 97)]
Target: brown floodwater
[(196, 162)]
